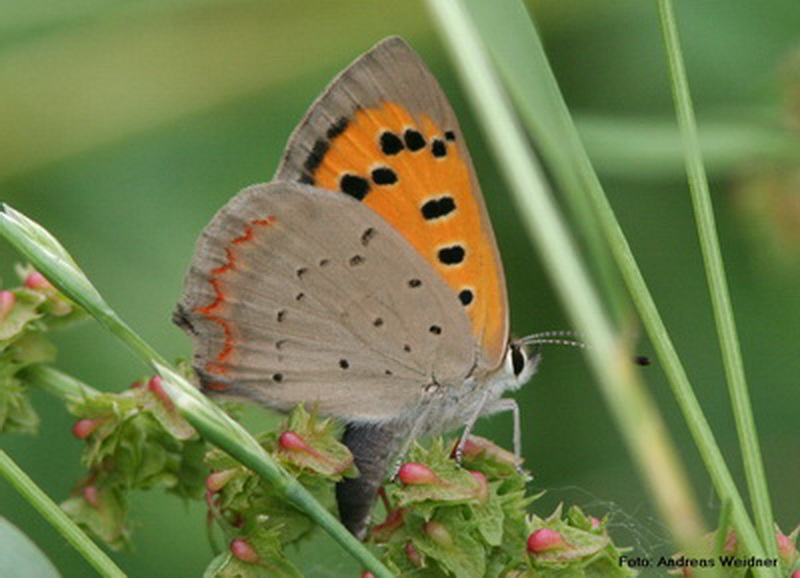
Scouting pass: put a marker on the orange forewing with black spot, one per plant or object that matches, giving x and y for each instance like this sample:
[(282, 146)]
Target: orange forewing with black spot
[(384, 133)]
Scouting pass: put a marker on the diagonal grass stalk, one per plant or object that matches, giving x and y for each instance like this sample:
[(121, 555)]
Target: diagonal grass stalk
[(59, 520), (49, 257), (633, 409), (718, 286)]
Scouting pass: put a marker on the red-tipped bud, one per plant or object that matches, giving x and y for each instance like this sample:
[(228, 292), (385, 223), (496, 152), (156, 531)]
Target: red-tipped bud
[(294, 442), (414, 474), (7, 301), (438, 533), (37, 281), (413, 555), (786, 548), (483, 486), (243, 550), (92, 496), (217, 480), (137, 384), (157, 388), (83, 428), (795, 574), (544, 540), (729, 547), (367, 574)]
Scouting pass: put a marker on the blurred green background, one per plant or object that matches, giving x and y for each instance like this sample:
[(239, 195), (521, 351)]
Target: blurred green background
[(125, 125)]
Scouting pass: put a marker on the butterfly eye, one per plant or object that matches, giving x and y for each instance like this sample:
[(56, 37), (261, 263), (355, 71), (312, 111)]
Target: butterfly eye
[(517, 360)]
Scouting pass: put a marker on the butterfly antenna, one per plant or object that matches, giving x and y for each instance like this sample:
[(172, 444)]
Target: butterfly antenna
[(553, 338)]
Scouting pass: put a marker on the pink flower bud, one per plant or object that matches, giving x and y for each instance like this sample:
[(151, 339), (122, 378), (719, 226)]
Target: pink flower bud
[(136, 384), (83, 428), (217, 480), (414, 474), (37, 281), (544, 540), (92, 496), (597, 523), (7, 300), (483, 486), (795, 574), (438, 533), (294, 442), (413, 555), (157, 388), (367, 574), (243, 550), (730, 545), (786, 548)]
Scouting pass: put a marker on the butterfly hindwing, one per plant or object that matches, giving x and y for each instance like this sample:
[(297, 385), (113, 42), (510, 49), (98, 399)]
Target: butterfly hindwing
[(384, 134), (299, 295)]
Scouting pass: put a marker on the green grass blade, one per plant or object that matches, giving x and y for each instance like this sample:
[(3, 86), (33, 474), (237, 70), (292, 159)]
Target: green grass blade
[(56, 517), (633, 409), (718, 286), (509, 30)]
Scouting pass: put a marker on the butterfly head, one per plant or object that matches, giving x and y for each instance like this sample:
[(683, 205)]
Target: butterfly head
[(520, 363)]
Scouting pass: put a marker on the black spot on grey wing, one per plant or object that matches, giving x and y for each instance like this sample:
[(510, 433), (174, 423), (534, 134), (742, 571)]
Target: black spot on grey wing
[(356, 260), (384, 176), (390, 143), (378, 322), (388, 372), (281, 315), (355, 186), (367, 236), (279, 344), (300, 296), (344, 364), (450, 135), (301, 271), (414, 283), (413, 139), (438, 208), (337, 128), (465, 296), (438, 148), (435, 329), (314, 158), (324, 262), (407, 348), (452, 255), (306, 179), (277, 377)]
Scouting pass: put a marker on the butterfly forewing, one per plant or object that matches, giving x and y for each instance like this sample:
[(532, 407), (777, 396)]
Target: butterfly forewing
[(296, 294), (384, 134)]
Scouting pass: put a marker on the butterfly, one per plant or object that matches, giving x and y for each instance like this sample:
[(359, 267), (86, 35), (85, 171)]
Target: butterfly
[(364, 280)]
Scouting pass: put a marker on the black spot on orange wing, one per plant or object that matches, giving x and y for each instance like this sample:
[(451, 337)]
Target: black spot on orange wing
[(465, 296), (355, 186), (315, 157), (413, 139), (450, 135), (438, 208), (384, 176), (452, 255), (337, 128), (438, 148), (390, 143)]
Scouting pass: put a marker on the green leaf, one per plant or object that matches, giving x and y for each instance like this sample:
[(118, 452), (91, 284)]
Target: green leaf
[(19, 556)]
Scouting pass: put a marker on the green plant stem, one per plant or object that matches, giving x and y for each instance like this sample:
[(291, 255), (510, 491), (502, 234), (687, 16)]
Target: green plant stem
[(518, 36), (718, 286), (56, 517), (633, 409), (57, 383)]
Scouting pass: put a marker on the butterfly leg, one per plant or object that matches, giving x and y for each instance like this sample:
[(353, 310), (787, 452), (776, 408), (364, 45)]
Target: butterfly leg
[(416, 431), (469, 425), (507, 404)]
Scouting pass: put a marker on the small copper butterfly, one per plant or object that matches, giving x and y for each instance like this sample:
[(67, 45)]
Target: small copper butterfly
[(365, 279)]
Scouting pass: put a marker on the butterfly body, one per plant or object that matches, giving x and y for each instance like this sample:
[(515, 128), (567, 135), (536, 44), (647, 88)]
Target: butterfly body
[(364, 280)]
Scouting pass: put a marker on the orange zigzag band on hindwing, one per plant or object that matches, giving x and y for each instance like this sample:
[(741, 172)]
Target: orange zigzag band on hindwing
[(217, 366)]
